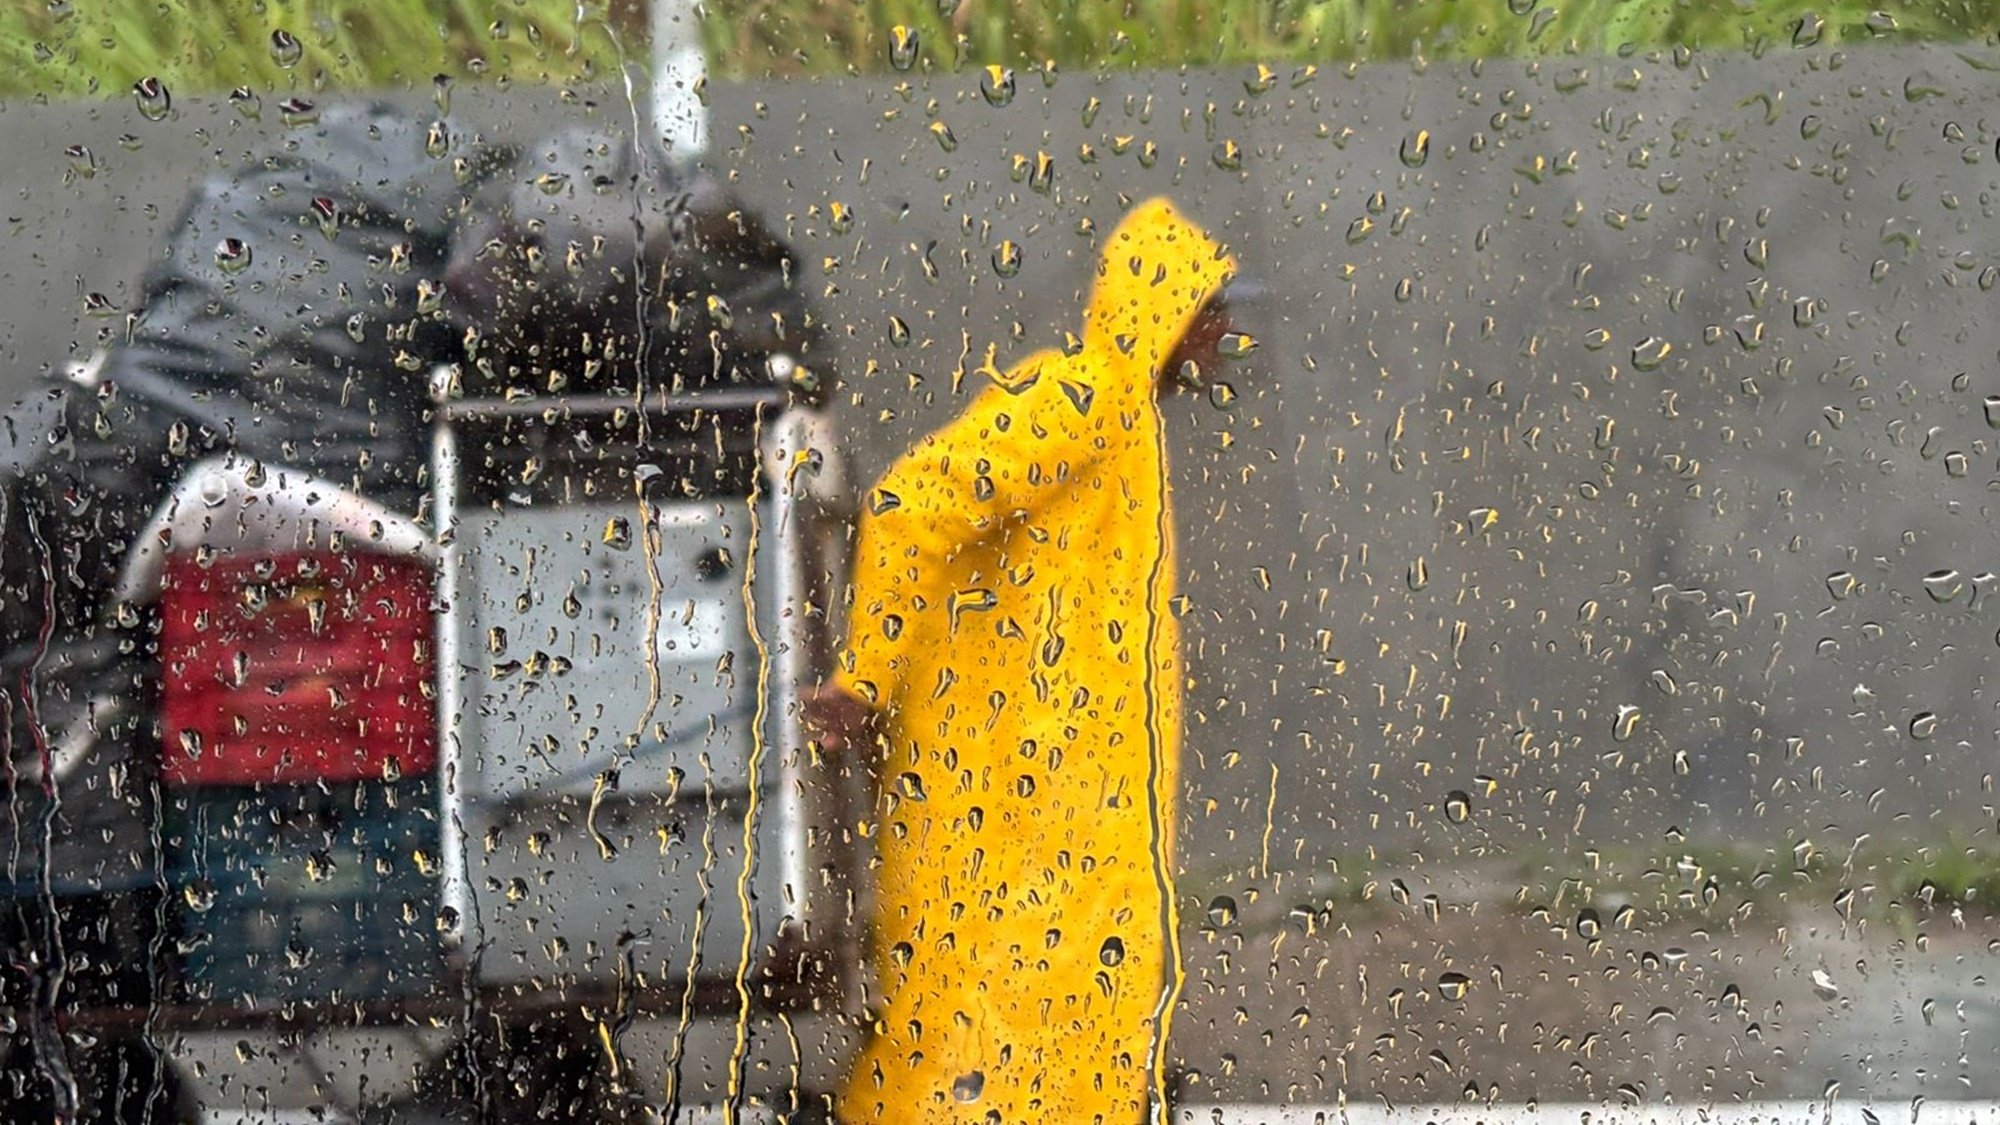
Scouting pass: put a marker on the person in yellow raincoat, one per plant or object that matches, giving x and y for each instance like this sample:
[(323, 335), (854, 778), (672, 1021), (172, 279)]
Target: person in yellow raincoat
[(1014, 652)]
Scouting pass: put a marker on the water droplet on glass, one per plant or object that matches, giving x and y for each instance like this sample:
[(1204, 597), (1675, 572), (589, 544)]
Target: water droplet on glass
[(1359, 230), (232, 255), (1418, 574), (437, 140), (720, 313), (978, 599), (297, 111), (1236, 345), (246, 101), (899, 332), (1649, 353), (1625, 722), (1458, 806), (1588, 926), (996, 84), (900, 954), (618, 533), (1228, 156), (1807, 31), (1260, 81), (911, 786), (946, 140), (1454, 986), (81, 161), (1043, 173), (1923, 725), (839, 216), (903, 46), (1221, 395), (1922, 87), (199, 894), (1007, 258), (320, 866), (441, 92), (1221, 911), (1944, 585), (155, 102), (968, 1087), (1416, 151), (1112, 952), (286, 48)]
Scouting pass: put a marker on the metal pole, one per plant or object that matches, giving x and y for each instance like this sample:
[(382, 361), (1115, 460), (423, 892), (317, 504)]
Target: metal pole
[(680, 119)]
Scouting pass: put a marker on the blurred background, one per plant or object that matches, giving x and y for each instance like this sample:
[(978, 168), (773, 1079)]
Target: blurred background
[(1588, 573)]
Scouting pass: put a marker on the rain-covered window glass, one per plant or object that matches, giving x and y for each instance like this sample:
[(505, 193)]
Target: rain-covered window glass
[(944, 561)]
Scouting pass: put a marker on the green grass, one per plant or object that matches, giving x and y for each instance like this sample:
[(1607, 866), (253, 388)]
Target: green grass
[(788, 36), (101, 47), (67, 48), (1900, 881)]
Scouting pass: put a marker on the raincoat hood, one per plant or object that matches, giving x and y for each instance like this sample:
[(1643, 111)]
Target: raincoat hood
[(1154, 277)]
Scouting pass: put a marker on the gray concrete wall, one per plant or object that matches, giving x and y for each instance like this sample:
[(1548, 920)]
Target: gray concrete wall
[(1451, 380)]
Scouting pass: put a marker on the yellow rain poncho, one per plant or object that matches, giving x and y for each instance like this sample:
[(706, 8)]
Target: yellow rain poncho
[(1012, 627)]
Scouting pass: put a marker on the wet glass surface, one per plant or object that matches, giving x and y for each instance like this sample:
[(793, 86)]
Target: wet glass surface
[(504, 628)]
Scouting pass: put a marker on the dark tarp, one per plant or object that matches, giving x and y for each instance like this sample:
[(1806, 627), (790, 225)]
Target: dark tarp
[(295, 316)]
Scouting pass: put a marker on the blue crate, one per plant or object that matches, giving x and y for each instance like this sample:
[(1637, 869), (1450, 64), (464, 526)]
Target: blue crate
[(289, 893)]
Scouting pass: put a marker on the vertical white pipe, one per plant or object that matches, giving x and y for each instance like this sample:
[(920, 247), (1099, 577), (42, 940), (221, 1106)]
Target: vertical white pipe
[(679, 65), (462, 942)]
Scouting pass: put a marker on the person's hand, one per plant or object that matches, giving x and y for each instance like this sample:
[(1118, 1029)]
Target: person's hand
[(841, 722)]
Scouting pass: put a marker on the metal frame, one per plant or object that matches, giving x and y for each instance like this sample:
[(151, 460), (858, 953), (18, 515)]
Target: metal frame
[(797, 462), (801, 474)]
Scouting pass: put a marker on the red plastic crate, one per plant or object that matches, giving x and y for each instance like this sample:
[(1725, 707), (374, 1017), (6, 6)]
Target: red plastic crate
[(297, 667)]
